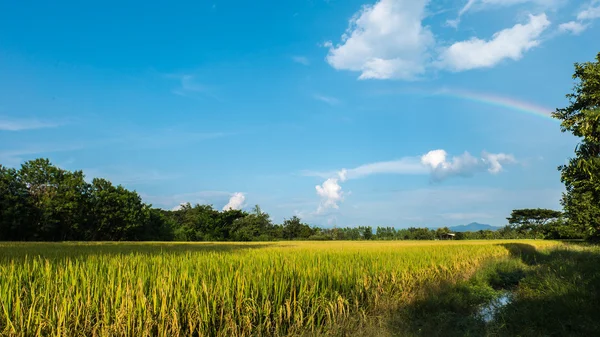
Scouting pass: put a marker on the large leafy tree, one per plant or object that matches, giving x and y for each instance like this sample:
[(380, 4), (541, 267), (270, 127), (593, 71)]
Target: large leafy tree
[(581, 175), (116, 213), (530, 218), (294, 229), (59, 199), (15, 207), (255, 226)]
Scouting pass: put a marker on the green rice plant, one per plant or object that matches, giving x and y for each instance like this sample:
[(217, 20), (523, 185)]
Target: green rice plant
[(218, 289)]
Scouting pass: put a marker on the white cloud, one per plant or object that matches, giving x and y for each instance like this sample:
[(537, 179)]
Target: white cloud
[(385, 40), (509, 43), (573, 27), (583, 19), (331, 193), (388, 40), (495, 161), (490, 4), (590, 13), (11, 124), (301, 59), (454, 23), (441, 168), (408, 165), (464, 165), (327, 99), (436, 163), (235, 202)]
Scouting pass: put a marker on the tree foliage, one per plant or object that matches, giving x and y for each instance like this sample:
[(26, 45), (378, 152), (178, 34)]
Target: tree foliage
[(581, 175), (530, 218), (46, 203)]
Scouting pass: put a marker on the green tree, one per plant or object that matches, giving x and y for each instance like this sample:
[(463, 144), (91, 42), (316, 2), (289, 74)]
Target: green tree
[(532, 218), (366, 232), (15, 207), (59, 199), (294, 229), (581, 175), (441, 232), (256, 226), (116, 213)]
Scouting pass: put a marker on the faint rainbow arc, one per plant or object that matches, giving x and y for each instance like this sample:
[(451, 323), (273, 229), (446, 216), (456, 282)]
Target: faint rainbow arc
[(496, 100)]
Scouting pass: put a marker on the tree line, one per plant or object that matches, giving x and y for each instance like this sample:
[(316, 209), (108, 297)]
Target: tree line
[(42, 202)]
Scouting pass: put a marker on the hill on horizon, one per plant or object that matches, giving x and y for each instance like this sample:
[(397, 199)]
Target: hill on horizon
[(473, 227)]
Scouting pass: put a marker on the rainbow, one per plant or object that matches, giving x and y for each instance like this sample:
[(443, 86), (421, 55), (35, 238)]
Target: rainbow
[(495, 100)]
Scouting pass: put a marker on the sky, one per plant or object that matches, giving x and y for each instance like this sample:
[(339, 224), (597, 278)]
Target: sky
[(345, 113)]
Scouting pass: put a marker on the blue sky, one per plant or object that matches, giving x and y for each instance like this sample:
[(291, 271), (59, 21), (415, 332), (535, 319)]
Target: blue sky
[(396, 113)]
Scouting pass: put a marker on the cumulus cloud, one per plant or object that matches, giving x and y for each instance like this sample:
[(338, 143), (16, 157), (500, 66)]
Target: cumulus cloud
[(388, 40), (330, 193), (495, 161), (437, 163), (509, 43), (385, 40), (235, 202), (441, 167)]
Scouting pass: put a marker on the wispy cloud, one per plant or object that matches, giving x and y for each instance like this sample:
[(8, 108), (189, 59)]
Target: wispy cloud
[(436, 163), (481, 5), (301, 59), (123, 175), (14, 157), (121, 139), (327, 99), (20, 124), (189, 86), (166, 138)]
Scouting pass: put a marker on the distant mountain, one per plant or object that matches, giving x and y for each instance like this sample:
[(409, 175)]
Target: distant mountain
[(473, 227)]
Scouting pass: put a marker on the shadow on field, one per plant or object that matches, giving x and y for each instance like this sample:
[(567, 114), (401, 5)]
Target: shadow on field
[(57, 250), (554, 293)]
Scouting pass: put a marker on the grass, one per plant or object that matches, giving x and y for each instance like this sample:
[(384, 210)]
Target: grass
[(294, 288)]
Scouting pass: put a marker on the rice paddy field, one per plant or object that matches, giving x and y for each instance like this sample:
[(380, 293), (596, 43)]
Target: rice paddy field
[(268, 289)]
